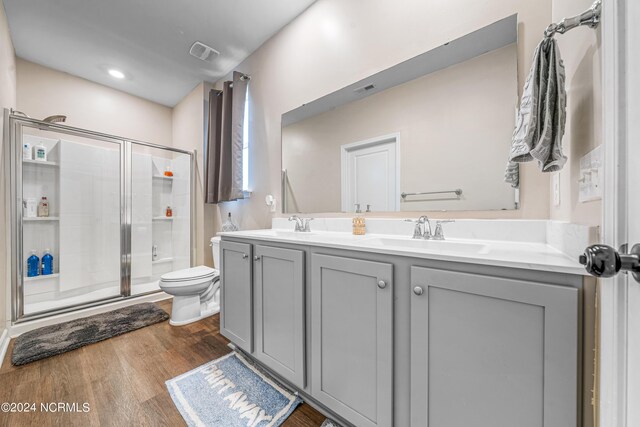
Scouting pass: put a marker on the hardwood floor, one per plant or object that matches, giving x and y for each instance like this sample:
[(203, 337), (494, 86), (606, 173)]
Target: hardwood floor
[(122, 378)]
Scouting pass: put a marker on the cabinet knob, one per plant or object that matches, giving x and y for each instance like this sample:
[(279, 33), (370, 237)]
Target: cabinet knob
[(382, 284), (418, 290), (256, 258), (245, 256)]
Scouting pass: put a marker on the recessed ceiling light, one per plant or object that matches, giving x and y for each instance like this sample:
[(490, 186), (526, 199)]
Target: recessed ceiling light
[(116, 73)]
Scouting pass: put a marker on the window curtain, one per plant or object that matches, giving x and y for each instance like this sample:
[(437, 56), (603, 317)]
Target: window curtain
[(223, 164)]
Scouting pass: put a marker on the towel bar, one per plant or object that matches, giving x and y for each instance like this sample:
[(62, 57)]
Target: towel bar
[(590, 17), (458, 192)]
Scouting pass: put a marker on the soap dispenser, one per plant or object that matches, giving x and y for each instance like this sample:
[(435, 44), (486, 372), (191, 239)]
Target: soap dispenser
[(229, 224), (359, 225)]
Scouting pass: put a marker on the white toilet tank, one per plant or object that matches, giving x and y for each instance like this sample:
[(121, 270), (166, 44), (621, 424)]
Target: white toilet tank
[(215, 249)]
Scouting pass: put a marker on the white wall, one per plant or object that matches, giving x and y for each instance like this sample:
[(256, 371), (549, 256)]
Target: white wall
[(43, 92), (580, 50), (188, 134), (335, 42), (7, 100)]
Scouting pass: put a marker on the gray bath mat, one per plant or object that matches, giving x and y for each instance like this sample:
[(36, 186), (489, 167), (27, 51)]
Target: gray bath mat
[(56, 339), (231, 392)]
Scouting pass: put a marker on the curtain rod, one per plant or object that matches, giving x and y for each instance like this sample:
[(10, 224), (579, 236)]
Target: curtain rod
[(243, 78), (590, 17)]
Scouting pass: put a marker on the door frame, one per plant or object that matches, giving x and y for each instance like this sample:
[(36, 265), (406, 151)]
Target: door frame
[(370, 142), (617, 61)]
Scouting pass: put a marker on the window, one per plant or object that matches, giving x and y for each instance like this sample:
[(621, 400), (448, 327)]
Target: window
[(245, 144)]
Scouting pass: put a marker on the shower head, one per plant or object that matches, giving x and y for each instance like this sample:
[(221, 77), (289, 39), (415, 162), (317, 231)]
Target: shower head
[(50, 119), (55, 119)]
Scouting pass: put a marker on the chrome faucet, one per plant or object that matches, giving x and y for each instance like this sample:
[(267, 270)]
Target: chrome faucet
[(302, 224), (420, 231), (439, 235)]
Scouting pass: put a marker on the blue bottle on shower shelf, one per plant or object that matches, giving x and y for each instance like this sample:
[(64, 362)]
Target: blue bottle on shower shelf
[(47, 262), (33, 265)]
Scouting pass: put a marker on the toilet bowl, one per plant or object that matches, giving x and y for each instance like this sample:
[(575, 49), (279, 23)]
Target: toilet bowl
[(195, 293), (196, 290)]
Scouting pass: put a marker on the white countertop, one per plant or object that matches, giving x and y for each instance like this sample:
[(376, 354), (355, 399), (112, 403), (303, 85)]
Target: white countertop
[(529, 255)]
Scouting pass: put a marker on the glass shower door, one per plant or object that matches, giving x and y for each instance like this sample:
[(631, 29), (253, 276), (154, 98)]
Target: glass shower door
[(160, 214), (70, 216)]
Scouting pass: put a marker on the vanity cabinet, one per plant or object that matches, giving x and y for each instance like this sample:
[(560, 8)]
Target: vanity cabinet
[(262, 299), (352, 338), (390, 340), (236, 294), (279, 281), (489, 351)]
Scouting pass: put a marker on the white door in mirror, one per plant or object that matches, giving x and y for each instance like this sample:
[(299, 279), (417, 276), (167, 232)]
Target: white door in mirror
[(370, 174)]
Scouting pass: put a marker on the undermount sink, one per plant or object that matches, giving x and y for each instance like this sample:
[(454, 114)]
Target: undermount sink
[(287, 233), (448, 246)]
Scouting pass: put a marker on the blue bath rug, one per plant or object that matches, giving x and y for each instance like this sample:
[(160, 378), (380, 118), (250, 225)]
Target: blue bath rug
[(231, 392)]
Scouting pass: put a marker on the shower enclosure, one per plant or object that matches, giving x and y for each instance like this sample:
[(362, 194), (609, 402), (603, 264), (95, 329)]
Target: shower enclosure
[(119, 216)]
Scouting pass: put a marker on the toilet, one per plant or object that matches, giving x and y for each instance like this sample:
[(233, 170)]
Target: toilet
[(196, 290)]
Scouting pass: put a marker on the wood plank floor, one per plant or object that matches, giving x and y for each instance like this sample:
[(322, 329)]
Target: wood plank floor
[(121, 378)]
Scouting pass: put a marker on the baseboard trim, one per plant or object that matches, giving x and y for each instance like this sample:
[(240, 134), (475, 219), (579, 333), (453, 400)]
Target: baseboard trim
[(4, 345), (29, 325)]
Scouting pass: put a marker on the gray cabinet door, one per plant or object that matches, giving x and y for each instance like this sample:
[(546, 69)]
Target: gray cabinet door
[(351, 336), (489, 351), (279, 310), (236, 293)]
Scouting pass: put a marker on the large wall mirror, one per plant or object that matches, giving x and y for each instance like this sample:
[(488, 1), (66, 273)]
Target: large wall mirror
[(430, 133)]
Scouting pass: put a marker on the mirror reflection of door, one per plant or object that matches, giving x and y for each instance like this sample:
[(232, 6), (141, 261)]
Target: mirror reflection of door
[(370, 174)]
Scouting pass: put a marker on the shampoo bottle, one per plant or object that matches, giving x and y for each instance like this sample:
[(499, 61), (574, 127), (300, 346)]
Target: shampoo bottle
[(27, 153), (43, 207), (33, 264), (40, 153), (47, 262)]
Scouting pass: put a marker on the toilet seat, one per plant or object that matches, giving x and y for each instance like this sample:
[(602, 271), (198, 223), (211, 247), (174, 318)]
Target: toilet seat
[(199, 272), (188, 277)]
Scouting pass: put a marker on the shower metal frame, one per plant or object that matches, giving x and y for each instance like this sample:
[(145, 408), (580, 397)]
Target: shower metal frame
[(13, 125)]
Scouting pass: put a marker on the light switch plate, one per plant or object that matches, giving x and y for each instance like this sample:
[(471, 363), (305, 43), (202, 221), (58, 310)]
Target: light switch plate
[(590, 177), (555, 179)]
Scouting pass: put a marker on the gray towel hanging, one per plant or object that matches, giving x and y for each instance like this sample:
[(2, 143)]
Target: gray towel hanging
[(542, 115)]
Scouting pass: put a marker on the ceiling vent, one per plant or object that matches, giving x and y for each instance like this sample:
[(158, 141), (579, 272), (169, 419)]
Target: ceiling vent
[(364, 88), (203, 52)]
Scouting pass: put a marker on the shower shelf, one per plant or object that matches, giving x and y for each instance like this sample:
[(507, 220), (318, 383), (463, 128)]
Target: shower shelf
[(163, 218), (41, 219), (168, 178), (41, 277), (40, 162), (162, 260)]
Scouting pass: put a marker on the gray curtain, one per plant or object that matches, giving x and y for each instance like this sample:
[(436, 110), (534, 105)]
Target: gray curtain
[(223, 164)]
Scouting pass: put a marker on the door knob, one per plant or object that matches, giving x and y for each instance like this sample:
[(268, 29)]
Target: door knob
[(605, 261), (256, 258), (418, 290), (382, 284), (245, 256)]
